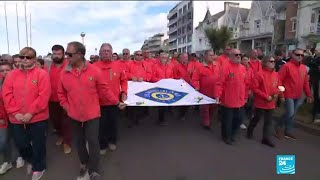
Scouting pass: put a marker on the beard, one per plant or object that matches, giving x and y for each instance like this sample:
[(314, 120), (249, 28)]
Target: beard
[(57, 60)]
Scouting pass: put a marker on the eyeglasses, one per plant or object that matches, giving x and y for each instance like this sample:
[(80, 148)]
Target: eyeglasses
[(301, 55), (237, 54), (138, 54), (70, 54), (25, 57)]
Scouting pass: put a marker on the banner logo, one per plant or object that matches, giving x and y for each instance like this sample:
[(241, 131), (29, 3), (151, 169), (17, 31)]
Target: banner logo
[(162, 95), (286, 164)]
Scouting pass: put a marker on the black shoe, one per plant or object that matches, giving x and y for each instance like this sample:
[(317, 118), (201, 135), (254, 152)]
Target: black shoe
[(208, 128), (249, 133), (267, 142), (227, 141)]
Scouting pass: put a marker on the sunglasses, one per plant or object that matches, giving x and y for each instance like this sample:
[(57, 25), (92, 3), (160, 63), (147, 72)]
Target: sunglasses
[(301, 55), (25, 57), (237, 54), (139, 55), (70, 54)]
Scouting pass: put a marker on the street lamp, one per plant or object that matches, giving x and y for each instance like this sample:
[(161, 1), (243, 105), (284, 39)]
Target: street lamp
[(95, 51), (82, 36)]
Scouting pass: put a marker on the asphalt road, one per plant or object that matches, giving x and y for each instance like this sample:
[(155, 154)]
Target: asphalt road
[(184, 151)]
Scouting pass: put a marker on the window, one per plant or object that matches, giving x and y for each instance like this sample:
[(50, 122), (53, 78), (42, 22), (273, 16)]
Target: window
[(294, 24), (313, 17), (231, 29), (180, 11), (258, 44), (184, 9), (257, 23), (184, 49), (183, 18), (189, 5), (200, 41), (235, 29), (184, 40), (189, 49), (182, 30), (189, 16), (189, 27), (179, 31), (189, 39), (179, 50)]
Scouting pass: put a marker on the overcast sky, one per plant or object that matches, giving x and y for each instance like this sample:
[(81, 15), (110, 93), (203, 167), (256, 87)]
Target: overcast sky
[(124, 24)]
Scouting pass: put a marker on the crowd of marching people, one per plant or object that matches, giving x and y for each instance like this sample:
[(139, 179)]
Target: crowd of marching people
[(82, 99)]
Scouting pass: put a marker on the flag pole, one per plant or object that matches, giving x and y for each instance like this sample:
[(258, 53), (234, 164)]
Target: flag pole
[(25, 19), (18, 25), (30, 26), (5, 15)]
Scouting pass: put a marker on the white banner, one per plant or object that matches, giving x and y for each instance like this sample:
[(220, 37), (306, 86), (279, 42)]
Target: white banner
[(166, 92)]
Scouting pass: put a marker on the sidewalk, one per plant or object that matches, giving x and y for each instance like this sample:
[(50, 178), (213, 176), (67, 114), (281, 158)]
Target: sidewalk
[(303, 120)]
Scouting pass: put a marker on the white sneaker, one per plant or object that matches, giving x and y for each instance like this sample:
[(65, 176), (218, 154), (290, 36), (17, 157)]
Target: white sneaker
[(85, 176), (103, 152), (37, 175), (5, 167), (19, 162), (112, 147), (29, 168), (242, 126)]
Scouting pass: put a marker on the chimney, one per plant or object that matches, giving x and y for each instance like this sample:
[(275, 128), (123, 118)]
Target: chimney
[(230, 4)]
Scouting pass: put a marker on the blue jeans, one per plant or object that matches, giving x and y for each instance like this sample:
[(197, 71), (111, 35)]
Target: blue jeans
[(291, 107), (7, 147), (36, 133)]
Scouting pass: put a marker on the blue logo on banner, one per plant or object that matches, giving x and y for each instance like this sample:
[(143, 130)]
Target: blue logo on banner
[(286, 164), (162, 95)]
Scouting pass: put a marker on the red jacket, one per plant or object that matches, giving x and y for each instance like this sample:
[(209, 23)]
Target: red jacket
[(207, 79), (139, 69), (265, 84), (250, 80), (150, 62), (124, 64), (174, 61), (3, 114), (295, 79), (233, 85), (116, 77), (79, 92), (255, 65), (223, 60), (27, 91), (54, 73), (182, 72), (193, 65), (162, 71)]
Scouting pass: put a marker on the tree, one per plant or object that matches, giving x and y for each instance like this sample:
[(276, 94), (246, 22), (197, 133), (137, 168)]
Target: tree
[(218, 38)]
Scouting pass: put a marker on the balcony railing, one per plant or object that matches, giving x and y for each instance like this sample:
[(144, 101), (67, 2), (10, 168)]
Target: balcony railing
[(175, 21), (172, 30), (170, 14)]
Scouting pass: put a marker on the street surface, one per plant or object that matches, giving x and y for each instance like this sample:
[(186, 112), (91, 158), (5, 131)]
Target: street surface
[(184, 151)]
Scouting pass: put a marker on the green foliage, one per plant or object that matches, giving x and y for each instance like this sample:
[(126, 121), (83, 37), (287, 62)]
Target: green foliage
[(218, 38)]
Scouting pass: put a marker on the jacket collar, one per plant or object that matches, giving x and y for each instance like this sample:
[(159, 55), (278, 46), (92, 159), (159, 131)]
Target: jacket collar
[(69, 67)]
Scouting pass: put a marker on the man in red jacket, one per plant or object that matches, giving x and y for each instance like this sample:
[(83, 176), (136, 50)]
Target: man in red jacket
[(224, 58), (116, 77), (26, 94), (147, 58), (232, 95), (80, 88), (254, 62), (206, 80), (58, 116), (295, 79)]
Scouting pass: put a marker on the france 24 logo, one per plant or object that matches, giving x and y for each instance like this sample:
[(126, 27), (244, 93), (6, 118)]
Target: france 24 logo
[(286, 164)]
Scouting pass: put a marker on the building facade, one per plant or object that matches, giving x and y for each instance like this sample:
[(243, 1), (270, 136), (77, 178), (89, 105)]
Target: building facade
[(154, 43)]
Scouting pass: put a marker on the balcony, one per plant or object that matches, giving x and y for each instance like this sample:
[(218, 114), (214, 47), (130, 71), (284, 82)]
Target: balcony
[(172, 30), (172, 39), (155, 43), (173, 12), (173, 22), (154, 39)]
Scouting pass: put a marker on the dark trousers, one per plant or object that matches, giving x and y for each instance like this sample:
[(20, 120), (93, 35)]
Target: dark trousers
[(316, 97), (162, 113), (108, 128), (231, 121), (182, 111), (87, 132), (136, 113), (35, 133), (60, 121), (7, 145), (267, 125)]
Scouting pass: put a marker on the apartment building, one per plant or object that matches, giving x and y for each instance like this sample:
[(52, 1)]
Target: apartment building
[(154, 43)]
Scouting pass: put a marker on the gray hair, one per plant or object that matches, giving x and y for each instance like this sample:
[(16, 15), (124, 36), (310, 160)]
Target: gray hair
[(106, 44)]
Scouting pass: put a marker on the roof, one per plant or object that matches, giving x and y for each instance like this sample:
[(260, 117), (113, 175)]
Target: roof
[(217, 16)]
